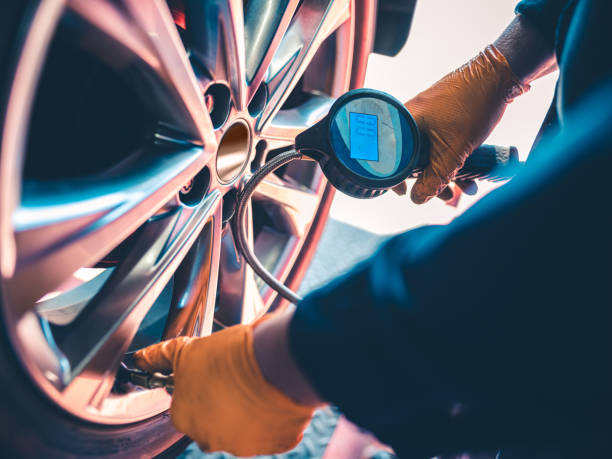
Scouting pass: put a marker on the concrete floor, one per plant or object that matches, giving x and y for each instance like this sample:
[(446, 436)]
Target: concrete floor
[(342, 246)]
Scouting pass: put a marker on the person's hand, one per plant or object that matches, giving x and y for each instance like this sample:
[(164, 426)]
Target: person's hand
[(221, 399), (451, 194), (457, 114)]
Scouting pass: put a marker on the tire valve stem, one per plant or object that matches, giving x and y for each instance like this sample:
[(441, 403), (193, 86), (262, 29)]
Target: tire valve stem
[(143, 379)]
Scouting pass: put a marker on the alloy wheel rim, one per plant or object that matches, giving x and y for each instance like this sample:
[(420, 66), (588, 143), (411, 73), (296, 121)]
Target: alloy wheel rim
[(167, 208)]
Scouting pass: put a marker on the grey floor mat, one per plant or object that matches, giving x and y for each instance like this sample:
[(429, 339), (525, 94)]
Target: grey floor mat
[(313, 445)]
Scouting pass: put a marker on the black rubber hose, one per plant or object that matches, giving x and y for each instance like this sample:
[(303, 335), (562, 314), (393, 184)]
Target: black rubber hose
[(240, 224)]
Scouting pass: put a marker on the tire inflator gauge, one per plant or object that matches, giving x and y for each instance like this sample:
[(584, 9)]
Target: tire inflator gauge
[(366, 144)]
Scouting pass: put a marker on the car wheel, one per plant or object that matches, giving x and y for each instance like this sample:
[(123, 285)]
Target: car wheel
[(127, 129)]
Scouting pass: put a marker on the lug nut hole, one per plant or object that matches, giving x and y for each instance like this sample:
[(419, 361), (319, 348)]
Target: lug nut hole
[(260, 151), (193, 191), (229, 205), (218, 103), (259, 101)]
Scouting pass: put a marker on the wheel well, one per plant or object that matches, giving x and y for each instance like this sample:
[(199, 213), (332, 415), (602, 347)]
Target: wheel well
[(393, 21)]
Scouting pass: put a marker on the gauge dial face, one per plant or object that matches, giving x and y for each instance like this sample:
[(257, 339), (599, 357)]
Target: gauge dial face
[(373, 138)]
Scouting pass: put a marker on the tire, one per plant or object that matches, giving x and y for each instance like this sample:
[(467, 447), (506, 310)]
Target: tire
[(100, 104)]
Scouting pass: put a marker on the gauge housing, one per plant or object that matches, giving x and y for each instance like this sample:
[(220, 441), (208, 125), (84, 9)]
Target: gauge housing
[(367, 143)]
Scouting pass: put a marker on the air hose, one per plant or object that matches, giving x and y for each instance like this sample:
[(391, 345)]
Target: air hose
[(240, 225)]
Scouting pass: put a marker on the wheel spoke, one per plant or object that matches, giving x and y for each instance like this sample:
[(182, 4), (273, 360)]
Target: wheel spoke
[(155, 19), (314, 21), (97, 340), (253, 305), (113, 24), (265, 23), (238, 299), (216, 31), (287, 124), (291, 207), (195, 285), (59, 231), (146, 30), (232, 277)]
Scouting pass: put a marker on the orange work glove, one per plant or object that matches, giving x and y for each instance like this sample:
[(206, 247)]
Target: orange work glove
[(221, 399), (457, 114)]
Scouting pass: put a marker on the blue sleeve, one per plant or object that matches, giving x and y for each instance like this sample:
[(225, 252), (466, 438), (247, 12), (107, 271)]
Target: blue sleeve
[(543, 14), (476, 334)]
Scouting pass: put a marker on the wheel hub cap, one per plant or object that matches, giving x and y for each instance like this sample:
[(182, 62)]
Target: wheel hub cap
[(233, 152)]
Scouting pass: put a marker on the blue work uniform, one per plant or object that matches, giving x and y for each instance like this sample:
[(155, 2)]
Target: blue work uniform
[(495, 331)]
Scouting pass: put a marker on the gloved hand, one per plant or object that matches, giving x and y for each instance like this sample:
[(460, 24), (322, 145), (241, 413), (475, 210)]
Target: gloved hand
[(457, 114), (221, 399)]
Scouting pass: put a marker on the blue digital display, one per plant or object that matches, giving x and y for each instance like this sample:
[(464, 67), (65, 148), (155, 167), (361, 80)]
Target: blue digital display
[(363, 136)]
